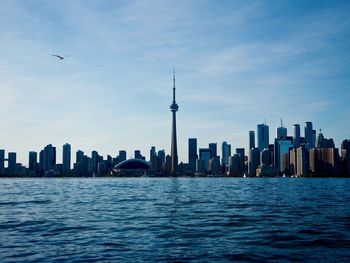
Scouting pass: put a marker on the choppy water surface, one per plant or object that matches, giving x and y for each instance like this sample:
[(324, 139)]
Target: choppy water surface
[(173, 219)]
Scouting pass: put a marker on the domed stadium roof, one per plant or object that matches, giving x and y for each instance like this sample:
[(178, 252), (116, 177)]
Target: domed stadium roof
[(132, 164)]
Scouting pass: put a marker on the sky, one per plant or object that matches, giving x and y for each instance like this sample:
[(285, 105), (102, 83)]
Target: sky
[(238, 63)]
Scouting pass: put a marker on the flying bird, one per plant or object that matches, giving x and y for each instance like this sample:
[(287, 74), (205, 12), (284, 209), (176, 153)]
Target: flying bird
[(60, 57)]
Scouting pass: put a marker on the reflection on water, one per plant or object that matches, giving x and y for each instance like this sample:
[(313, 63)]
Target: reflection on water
[(153, 219)]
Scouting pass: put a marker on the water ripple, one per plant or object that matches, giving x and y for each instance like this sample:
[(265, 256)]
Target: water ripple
[(176, 220)]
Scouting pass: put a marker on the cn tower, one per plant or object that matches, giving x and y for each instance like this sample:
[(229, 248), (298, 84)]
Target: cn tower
[(173, 108)]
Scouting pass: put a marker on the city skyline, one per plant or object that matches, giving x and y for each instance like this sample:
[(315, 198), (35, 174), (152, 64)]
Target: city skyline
[(237, 65)]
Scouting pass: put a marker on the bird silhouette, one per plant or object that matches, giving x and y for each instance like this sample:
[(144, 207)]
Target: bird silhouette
[(60, 57)]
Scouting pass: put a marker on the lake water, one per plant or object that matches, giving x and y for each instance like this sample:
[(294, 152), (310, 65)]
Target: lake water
[(174, 219)]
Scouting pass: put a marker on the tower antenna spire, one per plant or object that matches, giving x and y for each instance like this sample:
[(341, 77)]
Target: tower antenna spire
[(174, 85), (281, 122)]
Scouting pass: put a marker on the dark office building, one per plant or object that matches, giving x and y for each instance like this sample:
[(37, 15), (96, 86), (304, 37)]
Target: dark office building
[(263, 136), (33, 161), (205, 154), (253, 161), (2, 161), (192, 153), (296, 136), (66, 158), (213, 147), (79, 156), (251, 140), (324, 161), (11, 167), (345, 153)]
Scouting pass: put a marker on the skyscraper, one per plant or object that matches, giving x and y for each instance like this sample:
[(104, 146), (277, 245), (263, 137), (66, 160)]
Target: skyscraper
[(32, 164), (11, 166), (213, 147), (173, 108), (79, 156), (281, 131), (205, 154), (310, 135), (263, 136), (48, 158), (296, 136), (2, 161), (226, 152), (192, 153), (251, 139), (282, 148), (66, 157), (253, 161)]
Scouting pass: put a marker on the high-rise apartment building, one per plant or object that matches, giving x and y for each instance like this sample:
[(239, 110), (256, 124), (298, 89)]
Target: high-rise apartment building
[(66, 158), (33, 161)]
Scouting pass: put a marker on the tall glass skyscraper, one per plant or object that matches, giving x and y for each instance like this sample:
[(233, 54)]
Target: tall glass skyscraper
[(226, 152), (251, 140), (296, 136), (66, 159), (192, 153), (281, 131), (309, 135), (263, 136)]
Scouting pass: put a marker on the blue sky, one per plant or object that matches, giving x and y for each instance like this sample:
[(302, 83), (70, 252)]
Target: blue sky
[(237, 63)]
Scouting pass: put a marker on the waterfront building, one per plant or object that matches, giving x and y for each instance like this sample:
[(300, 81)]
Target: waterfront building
[(251, 140), (205, 154), (302, 161), (47, 158), (310, 135), (253, 161), (322, 142), (226, 152), (192, 153), (11, 163), (200, 167), (66, 158), (214, 166), (167, 164), (265, 157), (324, 161), (33, 161), (296, 136), (345, 153), (161, 155), (281, 153), (241, 154), (263, 136), (174, 108), (234, 167), (213, 148), (281, 131), (79, 156), (121, 156), (96, 158), (153, 159), (132, 167), (138, 155), (293, 161), (2, 161)]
